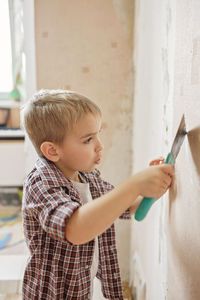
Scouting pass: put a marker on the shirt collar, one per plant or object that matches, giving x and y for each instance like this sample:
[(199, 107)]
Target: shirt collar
[(50, 174)]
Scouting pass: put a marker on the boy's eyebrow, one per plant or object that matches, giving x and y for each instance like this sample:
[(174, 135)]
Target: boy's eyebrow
[(89, 134)]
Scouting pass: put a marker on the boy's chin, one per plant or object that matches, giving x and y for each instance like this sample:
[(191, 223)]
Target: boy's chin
[(87, 170)]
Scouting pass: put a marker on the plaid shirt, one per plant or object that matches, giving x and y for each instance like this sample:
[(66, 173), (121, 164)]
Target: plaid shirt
[(56, 268)]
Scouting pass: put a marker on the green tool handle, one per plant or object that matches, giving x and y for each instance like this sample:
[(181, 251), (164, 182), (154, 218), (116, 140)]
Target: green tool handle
[(146, 203)]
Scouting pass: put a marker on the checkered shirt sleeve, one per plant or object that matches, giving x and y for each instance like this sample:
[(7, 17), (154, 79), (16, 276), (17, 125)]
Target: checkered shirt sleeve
[(51, 208)]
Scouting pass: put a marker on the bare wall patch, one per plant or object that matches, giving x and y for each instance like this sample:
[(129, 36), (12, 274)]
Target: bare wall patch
[(195, 69)]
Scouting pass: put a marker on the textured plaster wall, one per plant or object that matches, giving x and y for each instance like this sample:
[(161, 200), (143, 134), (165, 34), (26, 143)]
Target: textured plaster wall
[(184, 205), (167, 84), (86, 46)]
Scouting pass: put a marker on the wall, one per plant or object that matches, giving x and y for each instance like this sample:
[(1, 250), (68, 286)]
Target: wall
[(86, 46), (164, 257), (183, 212), (153, 66)]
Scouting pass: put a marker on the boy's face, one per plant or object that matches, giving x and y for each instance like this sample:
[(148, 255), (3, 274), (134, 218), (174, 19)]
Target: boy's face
[(81, 149)]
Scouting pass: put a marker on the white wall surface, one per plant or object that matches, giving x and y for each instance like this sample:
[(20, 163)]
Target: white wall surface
[(153, 111)]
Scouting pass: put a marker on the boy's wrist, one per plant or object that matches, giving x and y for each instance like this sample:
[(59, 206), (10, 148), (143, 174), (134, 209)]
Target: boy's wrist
[(136, 183), (132, 188)]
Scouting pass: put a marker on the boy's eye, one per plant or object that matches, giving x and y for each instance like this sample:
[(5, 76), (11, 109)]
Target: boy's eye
[(87, 141)]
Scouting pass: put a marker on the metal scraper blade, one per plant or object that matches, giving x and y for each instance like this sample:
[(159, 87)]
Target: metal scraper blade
[(179, 138)]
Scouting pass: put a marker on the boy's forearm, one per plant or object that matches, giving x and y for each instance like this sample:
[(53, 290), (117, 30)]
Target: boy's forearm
[(94, 218)]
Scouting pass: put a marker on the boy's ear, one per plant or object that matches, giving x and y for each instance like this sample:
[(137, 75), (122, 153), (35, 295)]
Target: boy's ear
[(49, 150)]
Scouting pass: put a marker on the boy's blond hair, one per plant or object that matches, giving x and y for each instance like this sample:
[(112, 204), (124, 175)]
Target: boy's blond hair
[(50, 114)]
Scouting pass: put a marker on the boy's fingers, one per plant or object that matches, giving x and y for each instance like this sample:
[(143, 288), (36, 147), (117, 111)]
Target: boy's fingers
[(161, 158), (168, 180), (167, 168), (157, 161)]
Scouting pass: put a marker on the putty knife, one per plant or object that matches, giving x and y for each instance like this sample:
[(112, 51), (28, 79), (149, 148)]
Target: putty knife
[(146, 203)]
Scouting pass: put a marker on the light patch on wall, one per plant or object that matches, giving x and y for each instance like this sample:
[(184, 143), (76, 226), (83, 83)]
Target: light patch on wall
[(195, 71), (124, 11), (138, 283), (166, 78)]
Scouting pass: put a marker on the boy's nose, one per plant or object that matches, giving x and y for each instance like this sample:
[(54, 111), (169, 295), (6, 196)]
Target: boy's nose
[(99, 146)]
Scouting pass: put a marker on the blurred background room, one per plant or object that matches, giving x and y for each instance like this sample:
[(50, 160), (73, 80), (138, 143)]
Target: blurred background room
[(140, 62)]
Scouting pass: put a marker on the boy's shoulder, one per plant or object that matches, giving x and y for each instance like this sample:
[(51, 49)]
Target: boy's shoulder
[(95, 179), (93, 175), (46, 174)]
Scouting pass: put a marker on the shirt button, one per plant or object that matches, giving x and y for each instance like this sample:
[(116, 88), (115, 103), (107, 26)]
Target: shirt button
[(115, 275), (86, 267)]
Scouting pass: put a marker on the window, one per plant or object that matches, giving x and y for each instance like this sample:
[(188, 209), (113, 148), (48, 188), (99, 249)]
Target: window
[(11, 49), (6, 70)]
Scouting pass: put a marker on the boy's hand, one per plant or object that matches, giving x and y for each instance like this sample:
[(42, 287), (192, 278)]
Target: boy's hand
[(159, 161), (154, 181)]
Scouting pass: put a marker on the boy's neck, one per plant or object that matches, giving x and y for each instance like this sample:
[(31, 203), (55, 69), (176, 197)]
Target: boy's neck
[(74, 177), (69, 175)]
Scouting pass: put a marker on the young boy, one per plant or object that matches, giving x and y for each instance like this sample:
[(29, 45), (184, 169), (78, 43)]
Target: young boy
[(68, 210)]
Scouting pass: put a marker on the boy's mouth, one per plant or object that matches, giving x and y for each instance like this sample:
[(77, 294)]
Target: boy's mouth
[(98, 161)]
